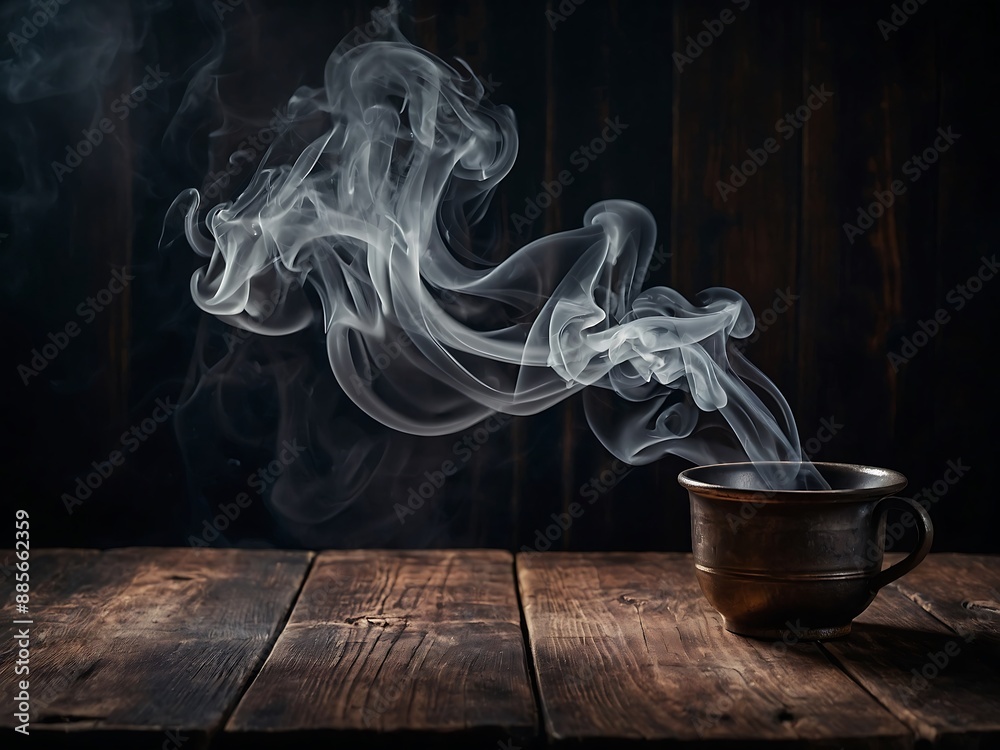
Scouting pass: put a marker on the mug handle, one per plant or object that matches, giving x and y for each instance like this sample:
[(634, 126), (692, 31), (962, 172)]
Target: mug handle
[(925, 536)]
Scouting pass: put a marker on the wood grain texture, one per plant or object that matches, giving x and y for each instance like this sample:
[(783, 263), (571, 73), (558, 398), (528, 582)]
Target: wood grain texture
[(131, 643), (509, 60), (744, 237), (862, 287), (964, 423), (939, 680), (962, 591), (386, 647), (822, 285), (625, 646)]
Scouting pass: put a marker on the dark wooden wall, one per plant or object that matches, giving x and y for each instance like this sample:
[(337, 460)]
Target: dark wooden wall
[(783, 230), (564, 74)]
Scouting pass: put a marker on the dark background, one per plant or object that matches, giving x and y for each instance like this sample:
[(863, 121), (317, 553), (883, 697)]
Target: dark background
[(783, 230)]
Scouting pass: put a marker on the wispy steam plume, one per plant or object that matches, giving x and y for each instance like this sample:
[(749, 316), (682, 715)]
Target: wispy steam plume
[(368, 202)]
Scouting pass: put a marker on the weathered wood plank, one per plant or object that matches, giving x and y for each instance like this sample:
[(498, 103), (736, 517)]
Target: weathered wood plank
[(934, 678), (626, 646), (385, 647), (130, 644), (962, 591)]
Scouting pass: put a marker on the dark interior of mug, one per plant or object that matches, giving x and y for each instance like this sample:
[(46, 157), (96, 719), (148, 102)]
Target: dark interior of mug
[(840, 477)]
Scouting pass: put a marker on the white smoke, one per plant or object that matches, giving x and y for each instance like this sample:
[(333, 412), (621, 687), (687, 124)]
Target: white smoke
[(393, 161)]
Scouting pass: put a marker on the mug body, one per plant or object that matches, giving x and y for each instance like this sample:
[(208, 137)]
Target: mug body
[(788, 563)]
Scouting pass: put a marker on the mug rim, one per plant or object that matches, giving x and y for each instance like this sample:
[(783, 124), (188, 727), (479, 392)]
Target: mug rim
[(893, 482)]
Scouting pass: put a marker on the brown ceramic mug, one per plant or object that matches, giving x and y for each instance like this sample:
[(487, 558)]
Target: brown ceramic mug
[(807, 561)]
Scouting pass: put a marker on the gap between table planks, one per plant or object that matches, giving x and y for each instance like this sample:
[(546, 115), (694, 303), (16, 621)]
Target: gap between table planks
[(131, 644), (625, 649), (388, 649), (928, 649)]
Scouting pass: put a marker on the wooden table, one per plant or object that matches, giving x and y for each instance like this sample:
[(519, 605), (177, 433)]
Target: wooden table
[(193, 648)]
